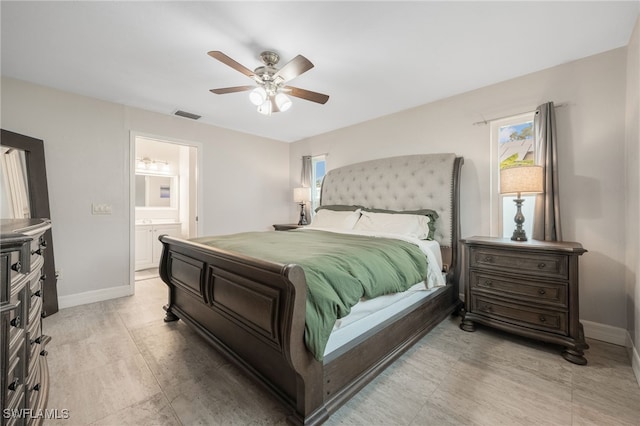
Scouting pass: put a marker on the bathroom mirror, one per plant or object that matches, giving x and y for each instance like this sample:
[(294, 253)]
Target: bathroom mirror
[(156, 191)]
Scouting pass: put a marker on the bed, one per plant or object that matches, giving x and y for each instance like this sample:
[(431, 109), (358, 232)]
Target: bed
[(254, 310)]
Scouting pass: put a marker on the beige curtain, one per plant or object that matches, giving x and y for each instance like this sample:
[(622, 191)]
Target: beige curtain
[(546, 223), (305, 181)]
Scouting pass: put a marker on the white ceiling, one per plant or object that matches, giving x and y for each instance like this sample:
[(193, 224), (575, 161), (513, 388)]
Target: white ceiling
[(372, 58)]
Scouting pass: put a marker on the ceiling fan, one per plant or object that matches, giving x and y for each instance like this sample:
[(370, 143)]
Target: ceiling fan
[(270, 93)]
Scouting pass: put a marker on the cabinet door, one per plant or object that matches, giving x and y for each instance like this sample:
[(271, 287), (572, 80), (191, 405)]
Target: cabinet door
[(144, 246), (171, 229)]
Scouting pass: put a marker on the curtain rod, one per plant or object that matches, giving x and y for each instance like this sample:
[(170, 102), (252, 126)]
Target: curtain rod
[(484, 122), (326, 154)]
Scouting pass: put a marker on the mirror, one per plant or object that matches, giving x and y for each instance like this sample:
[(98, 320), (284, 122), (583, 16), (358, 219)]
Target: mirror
[(14, 192), (156, 191), (31, 156)]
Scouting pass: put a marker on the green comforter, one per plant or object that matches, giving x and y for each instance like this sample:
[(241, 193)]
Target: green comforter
[(339, 268)]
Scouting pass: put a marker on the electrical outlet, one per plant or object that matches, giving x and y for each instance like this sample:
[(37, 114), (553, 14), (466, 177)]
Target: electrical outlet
[(101, 209)]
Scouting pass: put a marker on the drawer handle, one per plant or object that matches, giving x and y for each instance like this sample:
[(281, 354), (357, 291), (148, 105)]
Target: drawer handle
[(17, 266), (43, 243), (487, 308), (44, 353), (36, 387), (16, 321), (542, 318), (43, 277), (488, 259), (488, 283), (14, 385), (37, 340), (37, 293), (38, 252), (541, 291), (541, 265)]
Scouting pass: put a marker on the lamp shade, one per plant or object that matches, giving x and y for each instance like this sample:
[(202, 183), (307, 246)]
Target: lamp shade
[(258, 96), (522, 179), (283, 102), (265, 108), (301, 195)]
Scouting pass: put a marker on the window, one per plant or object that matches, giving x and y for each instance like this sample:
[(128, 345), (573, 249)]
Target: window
[(319, 169), (512, 144)]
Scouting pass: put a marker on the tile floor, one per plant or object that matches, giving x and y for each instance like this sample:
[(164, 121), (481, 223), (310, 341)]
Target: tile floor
[(118, 363)]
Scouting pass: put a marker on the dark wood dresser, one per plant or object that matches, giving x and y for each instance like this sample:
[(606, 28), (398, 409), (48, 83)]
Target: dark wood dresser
[(25, 376), (529, 288)]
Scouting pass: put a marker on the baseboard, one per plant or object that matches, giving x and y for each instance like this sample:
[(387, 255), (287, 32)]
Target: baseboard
[(93, 296), (605, 333)]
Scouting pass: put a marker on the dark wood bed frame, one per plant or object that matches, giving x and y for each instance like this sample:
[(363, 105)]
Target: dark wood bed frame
[(253, 312)]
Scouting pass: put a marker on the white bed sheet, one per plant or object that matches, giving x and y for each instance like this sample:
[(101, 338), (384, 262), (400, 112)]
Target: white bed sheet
[(368, 313), (371, 313)]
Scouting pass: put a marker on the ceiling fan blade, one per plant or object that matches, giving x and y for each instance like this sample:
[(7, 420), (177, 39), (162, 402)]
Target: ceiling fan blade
[(293, 68), (216, 54), (225, 90), (307, 94)]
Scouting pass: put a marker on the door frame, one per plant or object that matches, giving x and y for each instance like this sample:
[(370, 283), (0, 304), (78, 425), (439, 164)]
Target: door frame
[(133, 135)]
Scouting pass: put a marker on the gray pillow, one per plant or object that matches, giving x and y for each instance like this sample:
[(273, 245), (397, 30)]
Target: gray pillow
[(340, 208)]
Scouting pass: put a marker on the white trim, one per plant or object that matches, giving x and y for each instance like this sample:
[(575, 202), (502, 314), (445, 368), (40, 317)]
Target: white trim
[(133, 135), (605, 333), (94, 296)]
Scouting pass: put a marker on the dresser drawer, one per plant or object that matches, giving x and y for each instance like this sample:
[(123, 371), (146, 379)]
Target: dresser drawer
[(14, 383), (19, 262), (35, 310), (538, 318), (539, 264), (34, 338), (17, 321), (32, 387), (538, 292)]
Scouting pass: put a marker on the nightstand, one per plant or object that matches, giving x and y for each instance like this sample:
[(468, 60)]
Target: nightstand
[(528, 288), (286, 226)]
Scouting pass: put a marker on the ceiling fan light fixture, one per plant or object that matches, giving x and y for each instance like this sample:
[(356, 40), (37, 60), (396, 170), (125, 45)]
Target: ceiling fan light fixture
[(283, 102), (258, 96), (265, 107), (271, 81)]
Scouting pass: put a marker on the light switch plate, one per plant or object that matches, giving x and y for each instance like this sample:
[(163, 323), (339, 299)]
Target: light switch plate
[(104, 209)]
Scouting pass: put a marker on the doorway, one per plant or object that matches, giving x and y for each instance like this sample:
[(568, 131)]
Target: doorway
[(164, 198)]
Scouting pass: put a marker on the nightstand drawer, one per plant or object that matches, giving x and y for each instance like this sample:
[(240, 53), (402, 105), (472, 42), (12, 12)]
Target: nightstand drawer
[(527, 316), (538, 292), (548, 265)]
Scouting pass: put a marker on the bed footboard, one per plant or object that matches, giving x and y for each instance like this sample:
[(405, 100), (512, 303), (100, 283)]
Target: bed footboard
[(252, 311)]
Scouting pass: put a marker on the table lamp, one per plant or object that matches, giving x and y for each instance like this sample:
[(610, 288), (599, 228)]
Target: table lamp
[(301, 196), (520, 180)]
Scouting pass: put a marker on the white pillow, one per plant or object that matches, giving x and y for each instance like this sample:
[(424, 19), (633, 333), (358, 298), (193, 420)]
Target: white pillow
[(411, 225), (335, 219)]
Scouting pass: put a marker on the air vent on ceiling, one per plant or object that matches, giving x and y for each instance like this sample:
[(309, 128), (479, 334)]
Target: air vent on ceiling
[(187, 114)]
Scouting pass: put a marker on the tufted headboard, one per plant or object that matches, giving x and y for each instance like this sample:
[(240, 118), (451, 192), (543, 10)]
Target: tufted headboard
[(412, 182)]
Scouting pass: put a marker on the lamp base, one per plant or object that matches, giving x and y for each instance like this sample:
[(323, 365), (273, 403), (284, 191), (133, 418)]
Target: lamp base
[(303, 216), (519, 235)]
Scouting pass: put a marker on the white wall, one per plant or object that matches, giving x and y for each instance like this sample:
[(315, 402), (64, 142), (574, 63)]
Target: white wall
[(87, 149), (591, 156), (632, 208)]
